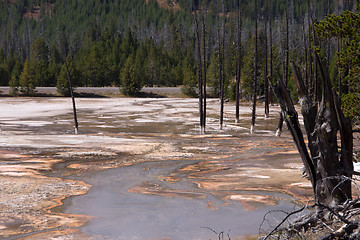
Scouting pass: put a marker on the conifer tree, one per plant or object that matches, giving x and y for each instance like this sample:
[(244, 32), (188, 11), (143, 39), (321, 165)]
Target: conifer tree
[(63, 84), (27, 79), (130, 81)]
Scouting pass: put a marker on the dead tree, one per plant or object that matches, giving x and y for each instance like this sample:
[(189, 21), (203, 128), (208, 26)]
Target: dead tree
[(328, 165), (76, 125), (199, 73), (266, 77), (221, 46), (204, 65), (314, 82), (238, 64), (271, 53), (253, 115), (305, 49), (286, 66)]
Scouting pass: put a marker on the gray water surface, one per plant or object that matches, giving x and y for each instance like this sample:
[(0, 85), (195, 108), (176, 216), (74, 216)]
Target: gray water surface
[(120, 214)]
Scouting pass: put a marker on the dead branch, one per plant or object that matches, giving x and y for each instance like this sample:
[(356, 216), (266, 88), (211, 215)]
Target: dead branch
[(324, 216), (284, 220), (219, 235)]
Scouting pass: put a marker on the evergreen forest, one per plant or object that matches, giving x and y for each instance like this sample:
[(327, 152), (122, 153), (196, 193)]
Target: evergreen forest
[(140, 43)]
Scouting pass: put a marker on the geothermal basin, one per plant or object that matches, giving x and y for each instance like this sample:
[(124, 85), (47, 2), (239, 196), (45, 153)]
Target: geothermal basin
[(140, 169)]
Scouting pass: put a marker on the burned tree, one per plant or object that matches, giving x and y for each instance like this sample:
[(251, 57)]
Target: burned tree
[(64, 50), (201, 69), (238, 64), (328, 165), (76, 125), (328, 160), (328, 156), (204, 65), (266, 77), (221, 57), (286, 66), (253, 115)]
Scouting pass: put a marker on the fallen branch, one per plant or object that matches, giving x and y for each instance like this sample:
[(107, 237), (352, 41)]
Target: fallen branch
[(281, 223)]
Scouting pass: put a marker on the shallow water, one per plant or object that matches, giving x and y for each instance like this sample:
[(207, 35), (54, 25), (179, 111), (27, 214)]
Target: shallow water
[(120, 214), (180, 183)]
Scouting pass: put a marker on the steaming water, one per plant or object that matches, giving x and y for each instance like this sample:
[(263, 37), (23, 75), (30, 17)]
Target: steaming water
[(120, 214)]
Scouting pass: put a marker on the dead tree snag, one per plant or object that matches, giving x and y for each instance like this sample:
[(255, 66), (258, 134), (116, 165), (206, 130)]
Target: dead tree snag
[(326, 163)]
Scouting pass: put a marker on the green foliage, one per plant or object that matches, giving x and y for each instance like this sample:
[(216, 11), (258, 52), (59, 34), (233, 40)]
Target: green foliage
[(27, 79), (4, 71), (54, 70), (350, 105), (14, 63), (40, 51), (190, 82), (63, 85), (213, 75), (4, 75), (346, 27), (100, 36), (130, 78), (247, 68)]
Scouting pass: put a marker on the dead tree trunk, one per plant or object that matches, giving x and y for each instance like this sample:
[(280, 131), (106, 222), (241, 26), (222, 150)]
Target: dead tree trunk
[(287, 50), (221, 45), (238, 65), (266, 78), (286, 66), (305, 52), (328, 165), (271, 56), (199, 73), (310, 79), (204, 66), (76, 125), (315, 79), (253, 115)]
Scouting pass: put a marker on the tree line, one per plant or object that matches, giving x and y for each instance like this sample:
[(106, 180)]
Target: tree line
[(136, 43)]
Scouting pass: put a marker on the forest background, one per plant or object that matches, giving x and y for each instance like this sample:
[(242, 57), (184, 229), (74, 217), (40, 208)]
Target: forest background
[(153, 43)]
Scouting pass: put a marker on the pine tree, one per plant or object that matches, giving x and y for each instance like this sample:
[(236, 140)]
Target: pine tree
[(129, 79), (27, 79), (346, 27), (62, 84)]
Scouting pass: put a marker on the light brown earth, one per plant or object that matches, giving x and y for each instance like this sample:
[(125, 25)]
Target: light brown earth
[(39, 153)]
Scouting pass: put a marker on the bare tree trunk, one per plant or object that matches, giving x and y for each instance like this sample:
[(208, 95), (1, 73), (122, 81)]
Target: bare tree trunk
[(316, 78), (76, 125), (266, 80), (286, 66), (305, 53), (204, 66), (316, 91), (287, 45), (253, 116), (328, 169), (279, 126), (310, 80), (238, 64), (221, 67), (271, 56), (199, 71)]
